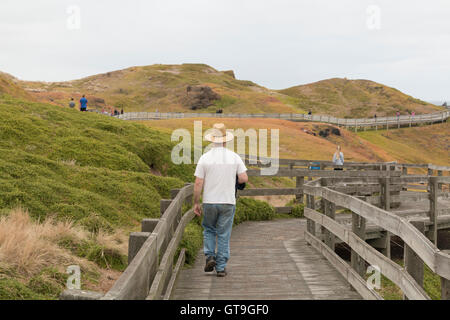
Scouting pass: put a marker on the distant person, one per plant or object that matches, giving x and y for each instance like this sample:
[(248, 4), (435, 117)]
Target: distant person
[(121, 111), (413, 113), (83, 103), (375, 116), (71, 103), (398, 114), (338, 158), (309, 113)]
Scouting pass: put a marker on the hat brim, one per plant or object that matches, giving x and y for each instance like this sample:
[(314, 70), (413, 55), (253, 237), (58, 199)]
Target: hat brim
[(229, 136)]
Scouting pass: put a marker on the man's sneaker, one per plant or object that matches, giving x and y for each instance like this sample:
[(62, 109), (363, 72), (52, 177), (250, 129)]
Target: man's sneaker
[(210, 264), (222, 273)]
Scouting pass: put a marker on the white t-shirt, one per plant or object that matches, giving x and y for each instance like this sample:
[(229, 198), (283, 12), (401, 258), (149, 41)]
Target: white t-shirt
[(219, 167)]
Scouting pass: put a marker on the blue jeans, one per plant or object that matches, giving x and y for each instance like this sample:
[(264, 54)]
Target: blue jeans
[(217, 222)]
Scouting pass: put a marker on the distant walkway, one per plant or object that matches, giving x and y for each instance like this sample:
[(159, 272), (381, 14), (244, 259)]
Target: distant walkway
[(379, 122), (269, 260)]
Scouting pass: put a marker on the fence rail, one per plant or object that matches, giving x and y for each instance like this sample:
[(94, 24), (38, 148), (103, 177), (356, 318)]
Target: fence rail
[(368, 190), (418, 248), (344, 122)]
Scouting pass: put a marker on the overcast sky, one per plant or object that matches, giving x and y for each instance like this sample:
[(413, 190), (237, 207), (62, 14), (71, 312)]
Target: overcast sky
[(275, 43)]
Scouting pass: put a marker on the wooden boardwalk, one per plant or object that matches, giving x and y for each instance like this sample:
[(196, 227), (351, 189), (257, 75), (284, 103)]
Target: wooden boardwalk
[(388, 122), (270, 260)]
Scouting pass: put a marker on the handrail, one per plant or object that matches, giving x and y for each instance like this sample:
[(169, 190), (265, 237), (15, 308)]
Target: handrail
[(361, 122), (426, 250), (145, 271), (437, 260)]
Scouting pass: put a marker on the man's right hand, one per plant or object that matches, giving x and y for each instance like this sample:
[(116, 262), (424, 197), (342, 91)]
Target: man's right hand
[(198, 209)]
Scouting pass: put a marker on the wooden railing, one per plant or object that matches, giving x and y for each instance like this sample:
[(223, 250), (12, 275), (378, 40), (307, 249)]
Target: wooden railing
[(150, 273), (404, 120), (369, 190), (418, 248)]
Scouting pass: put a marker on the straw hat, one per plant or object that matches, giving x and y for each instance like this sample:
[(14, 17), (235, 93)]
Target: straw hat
[(219, 134)]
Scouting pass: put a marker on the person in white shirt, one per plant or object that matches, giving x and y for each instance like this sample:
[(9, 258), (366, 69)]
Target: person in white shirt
[(216, 173), (338, 158)]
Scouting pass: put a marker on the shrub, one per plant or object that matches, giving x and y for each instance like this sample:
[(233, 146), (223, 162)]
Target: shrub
[(298, 210), (250, 210), (95, 223)]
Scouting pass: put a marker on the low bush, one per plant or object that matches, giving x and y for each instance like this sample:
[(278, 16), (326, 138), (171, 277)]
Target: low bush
[(248, 209)]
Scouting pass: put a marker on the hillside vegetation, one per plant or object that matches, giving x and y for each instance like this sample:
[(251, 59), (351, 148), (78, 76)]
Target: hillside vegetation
[(8, 85), (355, 99), (72, 185), (426, 144), (165, 88), (162, 88)]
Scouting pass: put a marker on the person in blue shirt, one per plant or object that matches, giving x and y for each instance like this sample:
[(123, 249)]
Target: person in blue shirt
[(83, 103)]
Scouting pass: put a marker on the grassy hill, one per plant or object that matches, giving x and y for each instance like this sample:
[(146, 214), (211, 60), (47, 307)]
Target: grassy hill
[(355, 99), (9, 85), (164, 88), (427, 144), (72, 186)]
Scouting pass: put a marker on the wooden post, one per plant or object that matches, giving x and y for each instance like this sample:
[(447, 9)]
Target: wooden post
[(163, 205), (148, 225), (310, 224), (135, 243), (323, 201), (173, 193), (299, 181), (330, 211), (387, 249), (383, 243), (439, 173), (385, 194), (445, 285), (433, 208), (189, 199), (359, 228), (405, 173), (413, 263)]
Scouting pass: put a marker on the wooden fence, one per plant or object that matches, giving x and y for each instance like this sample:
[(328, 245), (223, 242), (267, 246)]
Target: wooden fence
[(368, 190), (150, 273), (379, 122), (418, 248)]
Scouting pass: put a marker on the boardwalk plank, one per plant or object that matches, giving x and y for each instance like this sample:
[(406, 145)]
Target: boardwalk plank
[(270, 260)]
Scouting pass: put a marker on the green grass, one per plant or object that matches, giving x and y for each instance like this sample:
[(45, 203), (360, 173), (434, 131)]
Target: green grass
[(431, 285), (75, 165), (84, 167)]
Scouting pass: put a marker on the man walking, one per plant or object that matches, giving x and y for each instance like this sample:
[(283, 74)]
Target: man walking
[(216, 173), (83, 103)]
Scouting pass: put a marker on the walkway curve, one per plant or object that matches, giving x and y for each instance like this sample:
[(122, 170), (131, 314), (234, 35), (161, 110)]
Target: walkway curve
[(270, 260), (392, 122)]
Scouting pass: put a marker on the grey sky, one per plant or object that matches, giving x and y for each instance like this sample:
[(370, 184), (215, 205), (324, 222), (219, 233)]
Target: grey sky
[(276, 43)]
